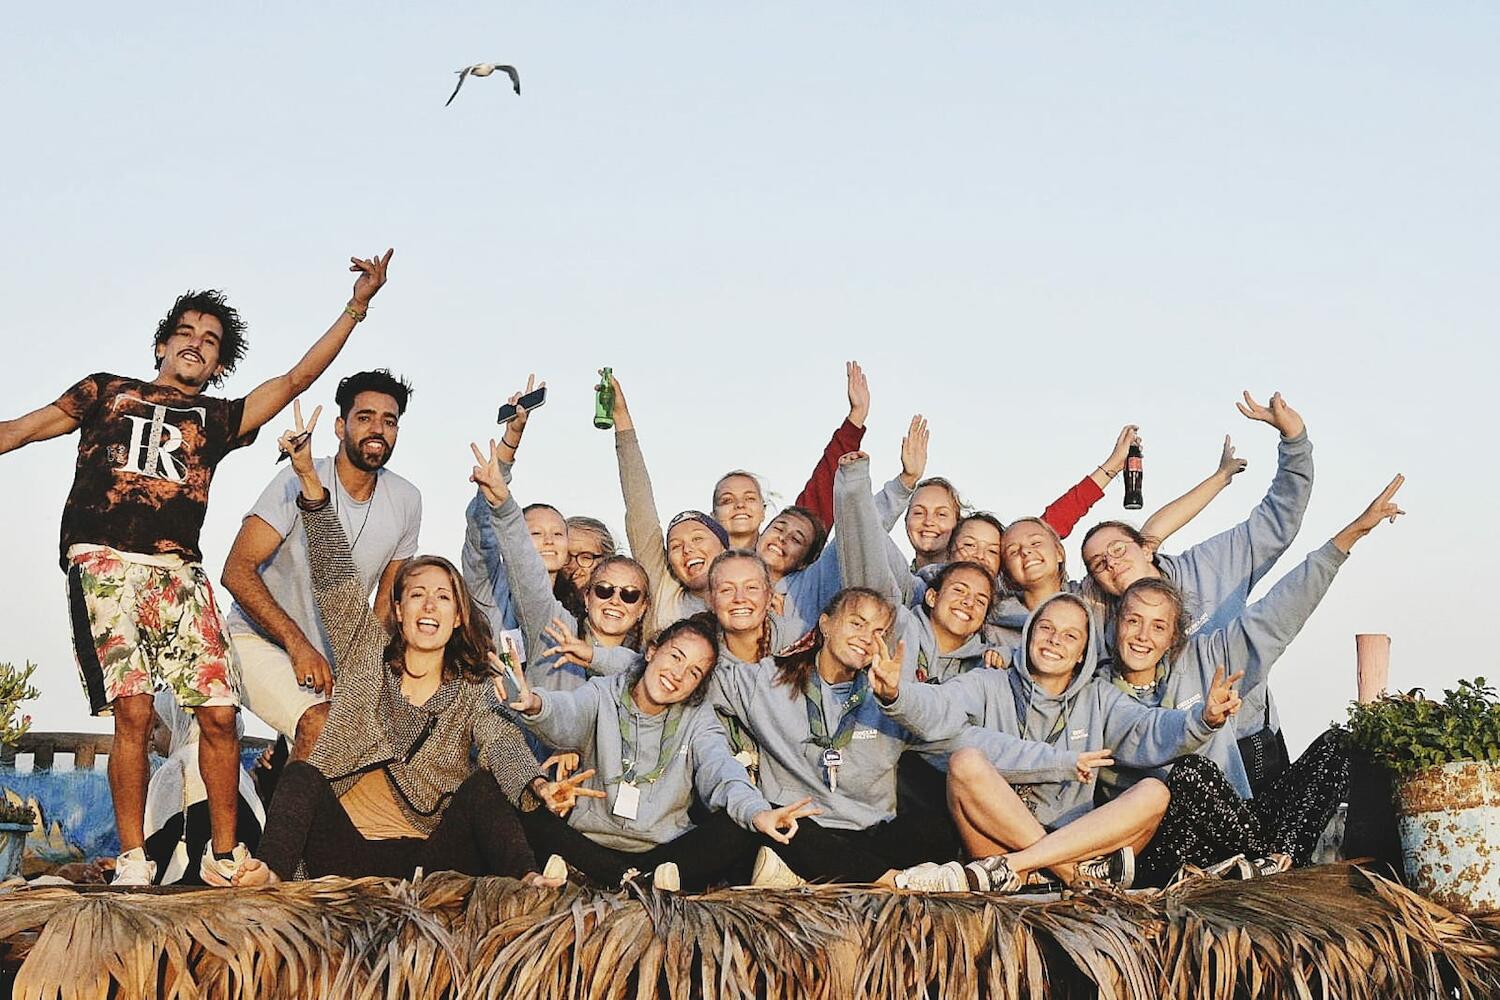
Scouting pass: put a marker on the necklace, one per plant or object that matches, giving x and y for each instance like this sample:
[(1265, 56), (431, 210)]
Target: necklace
[(1146, 688), (368, 505)]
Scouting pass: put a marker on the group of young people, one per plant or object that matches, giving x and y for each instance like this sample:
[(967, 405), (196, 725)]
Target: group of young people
[(745, 696)]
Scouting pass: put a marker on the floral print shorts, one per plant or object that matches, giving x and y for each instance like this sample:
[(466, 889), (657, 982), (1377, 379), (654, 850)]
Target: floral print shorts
[(138, 627)]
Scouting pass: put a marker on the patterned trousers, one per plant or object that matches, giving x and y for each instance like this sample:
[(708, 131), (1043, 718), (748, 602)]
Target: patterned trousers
[(1207, 821)]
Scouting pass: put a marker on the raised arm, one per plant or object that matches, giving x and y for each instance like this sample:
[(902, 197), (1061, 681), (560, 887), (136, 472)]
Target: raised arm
[(356, 635), (1234, 561), (1173, 516), (1255, 640), (817, 495), (271, 396), (528, 584), (48, 422), (860, 540), (1064, 513), (642, 522)]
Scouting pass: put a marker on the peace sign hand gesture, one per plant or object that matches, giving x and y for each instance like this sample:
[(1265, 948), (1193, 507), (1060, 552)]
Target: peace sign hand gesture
[(1091, 760), (567, 647), (297, 445), (561, 796), (486, 474), (772, 822), (885, 669), (527, 701), (1222, 701)]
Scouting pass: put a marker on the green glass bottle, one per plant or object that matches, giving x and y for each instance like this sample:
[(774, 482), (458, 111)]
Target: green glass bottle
[(604, 401)]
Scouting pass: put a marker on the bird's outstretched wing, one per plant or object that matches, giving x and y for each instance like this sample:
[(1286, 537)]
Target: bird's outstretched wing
[(515, 78), (463, 74)]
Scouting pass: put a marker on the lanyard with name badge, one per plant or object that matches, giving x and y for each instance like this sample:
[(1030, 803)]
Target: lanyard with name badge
[(628, 794), (833, 746)]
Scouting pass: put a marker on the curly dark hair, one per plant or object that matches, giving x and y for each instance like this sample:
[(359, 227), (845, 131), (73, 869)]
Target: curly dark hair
[(380, 380), (210, 302)]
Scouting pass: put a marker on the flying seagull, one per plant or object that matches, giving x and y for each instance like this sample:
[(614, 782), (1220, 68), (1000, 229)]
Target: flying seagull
[(484, 69)]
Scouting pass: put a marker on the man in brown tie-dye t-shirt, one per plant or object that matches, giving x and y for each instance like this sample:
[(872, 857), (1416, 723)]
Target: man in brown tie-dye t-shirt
[(142, 609)]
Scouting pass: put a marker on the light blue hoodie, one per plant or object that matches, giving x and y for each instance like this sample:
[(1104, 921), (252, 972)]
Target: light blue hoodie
[(535, 606), (791, 765), (1252, 642), (984, 706), (482, 565), (588, 719)]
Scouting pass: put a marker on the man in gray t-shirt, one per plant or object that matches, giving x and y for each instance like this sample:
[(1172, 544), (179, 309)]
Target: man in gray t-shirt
[(285, 655)]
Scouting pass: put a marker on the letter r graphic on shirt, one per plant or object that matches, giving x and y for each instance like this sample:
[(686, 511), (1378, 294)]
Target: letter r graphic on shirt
[(152, 443)]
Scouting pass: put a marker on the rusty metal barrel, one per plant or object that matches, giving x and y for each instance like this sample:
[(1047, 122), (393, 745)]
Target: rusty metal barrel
[(1450, 834)]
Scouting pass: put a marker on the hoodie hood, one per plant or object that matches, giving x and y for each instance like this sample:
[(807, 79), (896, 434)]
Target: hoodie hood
[(1039, 711)]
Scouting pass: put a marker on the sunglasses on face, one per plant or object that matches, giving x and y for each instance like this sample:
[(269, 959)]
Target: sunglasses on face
[(604, 591)]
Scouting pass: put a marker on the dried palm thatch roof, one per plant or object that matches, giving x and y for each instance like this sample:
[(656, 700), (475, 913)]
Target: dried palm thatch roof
[(1332, 931)]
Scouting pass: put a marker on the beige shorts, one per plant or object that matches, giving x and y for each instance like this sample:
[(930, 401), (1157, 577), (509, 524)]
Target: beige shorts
[(269, 686)]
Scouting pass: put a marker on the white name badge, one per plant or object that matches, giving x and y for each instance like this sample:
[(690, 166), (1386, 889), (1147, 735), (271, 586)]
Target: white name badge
[(627, 800)]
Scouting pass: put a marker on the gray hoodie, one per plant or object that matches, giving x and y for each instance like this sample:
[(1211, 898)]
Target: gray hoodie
[(588, 719), (670, 600), (535, 606), (1090, 714), (791, 765), (861, 540), (1217, 575), (1252, 642), (809, 589)]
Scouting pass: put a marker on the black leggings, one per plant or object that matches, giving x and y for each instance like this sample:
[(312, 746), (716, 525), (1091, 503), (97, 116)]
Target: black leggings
[(1207, 821), (479, 834), (717, 850), (828, 854)]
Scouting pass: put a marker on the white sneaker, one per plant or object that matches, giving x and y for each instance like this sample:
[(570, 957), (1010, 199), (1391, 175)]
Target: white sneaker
[(220, 871), (555, 867), (666, 877), (771, 872), (932, 877), (1117, 868), (134, 868)]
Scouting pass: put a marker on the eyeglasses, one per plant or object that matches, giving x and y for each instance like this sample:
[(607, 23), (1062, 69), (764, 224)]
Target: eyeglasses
[(1116, 549), (604, 591), (584, 559)]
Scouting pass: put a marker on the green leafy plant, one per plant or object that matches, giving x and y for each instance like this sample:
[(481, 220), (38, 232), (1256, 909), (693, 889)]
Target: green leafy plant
[(15, 687), (1410, 732)]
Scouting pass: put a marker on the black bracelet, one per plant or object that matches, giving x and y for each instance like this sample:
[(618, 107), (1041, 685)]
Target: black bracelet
[(314, 505)]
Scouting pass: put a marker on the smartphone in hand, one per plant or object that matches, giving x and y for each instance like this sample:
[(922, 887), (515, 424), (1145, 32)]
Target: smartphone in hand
[(529, 402)]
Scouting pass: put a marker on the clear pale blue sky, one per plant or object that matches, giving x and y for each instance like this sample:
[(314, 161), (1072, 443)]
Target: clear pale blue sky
[(1031, 225)]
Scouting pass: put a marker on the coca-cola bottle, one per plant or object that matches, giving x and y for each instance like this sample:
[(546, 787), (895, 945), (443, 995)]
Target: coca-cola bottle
[(1134, 474)]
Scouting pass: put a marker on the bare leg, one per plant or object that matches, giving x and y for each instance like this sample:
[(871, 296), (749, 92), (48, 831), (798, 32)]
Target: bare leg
[(991, 817), (129, 770), (219, 762), (1129, 820), (309, 728)]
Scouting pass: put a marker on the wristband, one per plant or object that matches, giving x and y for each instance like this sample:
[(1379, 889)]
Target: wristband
[(314, 505), (1107, 473), (358, 315)]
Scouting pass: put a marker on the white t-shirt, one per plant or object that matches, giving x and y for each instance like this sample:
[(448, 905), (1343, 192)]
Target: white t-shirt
[(382, 529)]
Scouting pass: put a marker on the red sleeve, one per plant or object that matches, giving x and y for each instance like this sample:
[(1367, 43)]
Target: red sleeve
[(1067, 510), (817, 495)]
